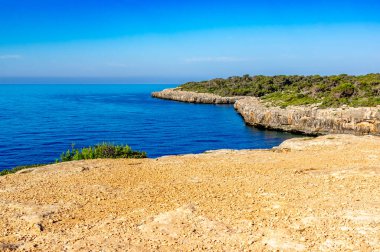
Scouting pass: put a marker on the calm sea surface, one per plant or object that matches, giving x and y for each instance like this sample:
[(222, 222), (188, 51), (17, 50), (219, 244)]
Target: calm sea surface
[(38, 122)]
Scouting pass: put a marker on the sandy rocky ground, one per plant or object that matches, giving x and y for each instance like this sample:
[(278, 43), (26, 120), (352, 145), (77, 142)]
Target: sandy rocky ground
[(306, 195)]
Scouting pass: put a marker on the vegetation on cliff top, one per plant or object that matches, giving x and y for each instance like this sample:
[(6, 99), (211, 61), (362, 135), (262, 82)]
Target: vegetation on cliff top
[(104, 150), (282, 90)]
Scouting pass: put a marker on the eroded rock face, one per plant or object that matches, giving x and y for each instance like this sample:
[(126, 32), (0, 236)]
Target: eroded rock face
[(193, 97), (310, 119), (302, 119)]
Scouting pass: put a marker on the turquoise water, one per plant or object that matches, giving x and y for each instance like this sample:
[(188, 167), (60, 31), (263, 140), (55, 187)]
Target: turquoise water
[(38, 122)]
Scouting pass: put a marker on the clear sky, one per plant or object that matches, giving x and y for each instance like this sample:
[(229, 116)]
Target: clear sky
[(135, 41)]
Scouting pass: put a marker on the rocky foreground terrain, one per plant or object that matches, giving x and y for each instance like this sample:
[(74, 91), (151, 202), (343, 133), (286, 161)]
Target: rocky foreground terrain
[(302, 119), (308, 194)]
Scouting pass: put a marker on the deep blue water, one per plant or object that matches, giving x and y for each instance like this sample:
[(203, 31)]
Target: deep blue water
[(38, 122)]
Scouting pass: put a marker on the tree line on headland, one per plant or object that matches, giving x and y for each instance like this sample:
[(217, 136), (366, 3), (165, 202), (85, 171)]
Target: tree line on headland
[(285, 90)]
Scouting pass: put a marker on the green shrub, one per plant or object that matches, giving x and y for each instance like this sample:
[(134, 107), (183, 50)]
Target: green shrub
[(283, 90), (343, 90), (104, 150)]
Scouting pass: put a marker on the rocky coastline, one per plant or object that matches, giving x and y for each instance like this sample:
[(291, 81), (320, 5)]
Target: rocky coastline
[(310, 120), (193, 97), (308, 194)]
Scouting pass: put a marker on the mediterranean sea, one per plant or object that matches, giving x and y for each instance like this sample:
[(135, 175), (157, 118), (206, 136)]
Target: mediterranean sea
[(39, 122)]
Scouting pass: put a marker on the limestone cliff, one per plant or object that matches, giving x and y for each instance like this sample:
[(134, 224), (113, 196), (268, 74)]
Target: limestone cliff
[(310, 119), (302, 119), (193, 97)]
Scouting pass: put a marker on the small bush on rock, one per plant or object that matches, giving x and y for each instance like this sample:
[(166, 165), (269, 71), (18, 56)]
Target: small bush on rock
[(104, 150)]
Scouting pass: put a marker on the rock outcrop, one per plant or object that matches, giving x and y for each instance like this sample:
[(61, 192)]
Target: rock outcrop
[(299, 119), (193, 97), (308, 194), (310, 119)]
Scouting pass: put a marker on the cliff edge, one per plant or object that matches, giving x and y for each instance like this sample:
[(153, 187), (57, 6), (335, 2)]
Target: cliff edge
[(300, 119), (309, 194), (310, 119)]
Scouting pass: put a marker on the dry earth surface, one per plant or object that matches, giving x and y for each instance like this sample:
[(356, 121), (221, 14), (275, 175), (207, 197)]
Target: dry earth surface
[(306, 195)]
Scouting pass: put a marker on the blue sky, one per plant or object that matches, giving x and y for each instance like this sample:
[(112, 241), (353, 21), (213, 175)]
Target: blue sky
[(131, 41)]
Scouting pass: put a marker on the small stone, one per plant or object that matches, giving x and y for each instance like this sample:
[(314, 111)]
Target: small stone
[(38, 227)]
